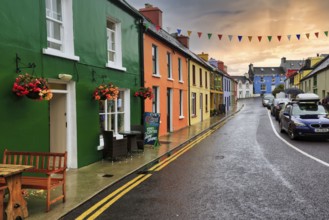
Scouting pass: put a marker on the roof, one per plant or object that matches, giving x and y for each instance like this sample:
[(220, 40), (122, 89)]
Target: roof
[(292, 65), (268, 70), (320, 66), (243, 79)]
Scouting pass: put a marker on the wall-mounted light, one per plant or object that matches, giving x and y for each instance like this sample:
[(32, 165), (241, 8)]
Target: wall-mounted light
[(64, 77)]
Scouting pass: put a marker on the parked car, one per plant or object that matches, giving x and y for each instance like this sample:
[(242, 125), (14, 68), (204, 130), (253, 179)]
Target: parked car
[(275, 107), (304, 117), (267, 100), (280, 112)]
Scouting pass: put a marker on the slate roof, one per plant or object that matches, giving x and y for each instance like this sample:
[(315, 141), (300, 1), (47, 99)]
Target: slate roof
[(268, 70), (243, 79), (320, 66), (292, 65)]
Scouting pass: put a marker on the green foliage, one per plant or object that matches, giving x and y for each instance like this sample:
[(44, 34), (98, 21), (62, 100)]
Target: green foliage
[(278, 89)]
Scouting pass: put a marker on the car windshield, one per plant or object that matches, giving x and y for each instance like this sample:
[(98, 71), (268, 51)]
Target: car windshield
[(308, 109)]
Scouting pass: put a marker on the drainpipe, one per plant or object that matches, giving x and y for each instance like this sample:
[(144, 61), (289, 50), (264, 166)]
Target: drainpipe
[(141, 60)]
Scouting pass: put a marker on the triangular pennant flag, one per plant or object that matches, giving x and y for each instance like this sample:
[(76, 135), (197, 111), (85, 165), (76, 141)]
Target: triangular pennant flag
[(298, 36), (240, 38), (308, 35), (199, 34), (279, 38), (179, 31), (289, 36), (220, 36), (157, 27), (326, 33), (316, 34), (209, 35), (189, 33), (230, 37), (259, 38), (146, 25), (250, 38), (269, 38)]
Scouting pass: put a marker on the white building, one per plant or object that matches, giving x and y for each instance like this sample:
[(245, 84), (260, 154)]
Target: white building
[(245, 87)]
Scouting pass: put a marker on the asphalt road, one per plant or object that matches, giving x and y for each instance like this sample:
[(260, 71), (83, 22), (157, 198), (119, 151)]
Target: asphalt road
[(243, 170)]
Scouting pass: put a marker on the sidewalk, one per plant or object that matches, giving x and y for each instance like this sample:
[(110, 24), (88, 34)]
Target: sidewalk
[(85, 182)]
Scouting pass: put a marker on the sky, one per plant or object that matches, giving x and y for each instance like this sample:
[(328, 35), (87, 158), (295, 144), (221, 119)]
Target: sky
[(248, 18)]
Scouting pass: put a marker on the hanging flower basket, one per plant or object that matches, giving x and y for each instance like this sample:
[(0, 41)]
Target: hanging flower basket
[(32, 87), (106, 92), (144, 93)]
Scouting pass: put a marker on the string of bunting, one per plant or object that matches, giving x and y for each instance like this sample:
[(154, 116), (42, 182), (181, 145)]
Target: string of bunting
[(240, 38)]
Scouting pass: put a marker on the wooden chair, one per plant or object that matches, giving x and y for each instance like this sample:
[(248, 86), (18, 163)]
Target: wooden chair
[(140, 137), (114, 148)]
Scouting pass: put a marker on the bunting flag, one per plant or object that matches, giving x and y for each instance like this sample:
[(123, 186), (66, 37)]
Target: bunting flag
[(240, 38), (220, 36), (326, 33), (279, 38), (209, 35), (199, 34), (179, 31), (308, 35), (298, 36), (146, 26), (259, 38), (157, 27), (230, 37), (269, 38), (289, 36), (249, 38), (189, 33), (316, 34)]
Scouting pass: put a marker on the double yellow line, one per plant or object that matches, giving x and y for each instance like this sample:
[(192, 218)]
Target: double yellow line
[(97, 209)]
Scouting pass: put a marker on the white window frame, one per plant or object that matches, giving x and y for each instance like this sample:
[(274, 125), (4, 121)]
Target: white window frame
[(117, 63), (156, 63), (181, 105), (126, 108), (193, 102), (67, 42), (156, 101), (262, 86)]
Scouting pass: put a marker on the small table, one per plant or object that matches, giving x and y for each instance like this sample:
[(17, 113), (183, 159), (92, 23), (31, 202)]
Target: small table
[(132, 142), (16, 203)]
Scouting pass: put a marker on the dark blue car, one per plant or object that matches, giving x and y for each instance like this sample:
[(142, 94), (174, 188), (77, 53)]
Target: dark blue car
[(305, 118)]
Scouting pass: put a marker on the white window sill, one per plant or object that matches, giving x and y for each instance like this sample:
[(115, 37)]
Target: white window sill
[(181, 117), (181, 81), (116, 67), (170, 79), (156, 75), (57, 53)]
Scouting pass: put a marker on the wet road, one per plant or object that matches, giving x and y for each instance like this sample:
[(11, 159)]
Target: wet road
[(242, 171)]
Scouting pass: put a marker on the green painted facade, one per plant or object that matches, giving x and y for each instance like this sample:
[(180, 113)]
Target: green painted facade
[(25, 123)]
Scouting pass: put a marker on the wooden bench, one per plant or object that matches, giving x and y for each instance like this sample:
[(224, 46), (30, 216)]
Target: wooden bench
[(48, 172)]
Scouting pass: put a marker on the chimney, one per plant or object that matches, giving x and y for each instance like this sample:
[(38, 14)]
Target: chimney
[(204, 56), (221, 65), (154, 14), (283, 60), (183, 40)]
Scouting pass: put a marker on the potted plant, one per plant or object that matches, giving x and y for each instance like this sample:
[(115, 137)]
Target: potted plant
[(106, 92), (144, 93), (32, 87)]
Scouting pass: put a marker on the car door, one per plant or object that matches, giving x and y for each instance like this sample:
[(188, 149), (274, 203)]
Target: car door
[(286, 117)]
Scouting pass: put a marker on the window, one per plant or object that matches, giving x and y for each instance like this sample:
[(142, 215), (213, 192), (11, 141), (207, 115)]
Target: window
[(60, 29), (200, 71), (155, 100), (315, 81), (263, 87), (206, 79), (261, 78), (273, 79), (240, 85), (181, 106), (112, 114), (180, 74), (169, 65), (114, 51), (193, 75), (247, 85), (154, 60), (193, 104), (206, 102)]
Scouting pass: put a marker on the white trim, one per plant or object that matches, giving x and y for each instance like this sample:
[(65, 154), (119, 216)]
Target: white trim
[(110, 65), (57, 53)]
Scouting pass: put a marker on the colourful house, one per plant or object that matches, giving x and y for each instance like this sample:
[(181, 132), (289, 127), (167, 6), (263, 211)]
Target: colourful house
[(76, 46), (166, 72)]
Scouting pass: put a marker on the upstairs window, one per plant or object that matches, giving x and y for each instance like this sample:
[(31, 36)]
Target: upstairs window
[(200, 70), (180, 74), (59, 22), (155, 60), (193, 76), (206, 79), (114, 50), (169, 65)]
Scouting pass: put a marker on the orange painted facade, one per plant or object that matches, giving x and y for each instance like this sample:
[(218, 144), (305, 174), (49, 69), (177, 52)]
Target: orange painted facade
[(171, 98)]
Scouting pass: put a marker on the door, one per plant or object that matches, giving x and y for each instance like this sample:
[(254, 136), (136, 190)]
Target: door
[(58, 123)]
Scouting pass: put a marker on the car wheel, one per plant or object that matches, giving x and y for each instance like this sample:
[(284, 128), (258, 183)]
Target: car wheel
[(291, 134)]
